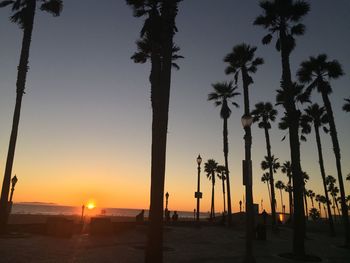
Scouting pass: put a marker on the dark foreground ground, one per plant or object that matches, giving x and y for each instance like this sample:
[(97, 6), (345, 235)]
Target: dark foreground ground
[(182, 244)]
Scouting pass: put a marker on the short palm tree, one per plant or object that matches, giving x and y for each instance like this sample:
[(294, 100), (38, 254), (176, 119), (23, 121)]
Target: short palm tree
[(323, 201), (210, 167), (311, 194), (316, 116), (282, 18), (265, 178), (330, 181), (306, 178), (221, 174), (346, 106), (286, 168), (23, 15), (264, 113), (317, 72), (224, 93), (280, 186), (317, 199)]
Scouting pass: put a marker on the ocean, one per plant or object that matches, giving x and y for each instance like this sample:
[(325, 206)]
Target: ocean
[(52, 209)]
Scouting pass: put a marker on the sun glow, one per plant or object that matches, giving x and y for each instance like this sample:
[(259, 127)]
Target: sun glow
[(90, 205)]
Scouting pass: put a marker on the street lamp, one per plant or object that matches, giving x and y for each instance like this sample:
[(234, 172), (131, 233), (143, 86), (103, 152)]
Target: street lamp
[(166, 201), (198, 194), (247, 121), (14, 181)]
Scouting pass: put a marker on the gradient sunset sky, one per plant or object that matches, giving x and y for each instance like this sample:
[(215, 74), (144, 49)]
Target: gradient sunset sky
[(85, 129)]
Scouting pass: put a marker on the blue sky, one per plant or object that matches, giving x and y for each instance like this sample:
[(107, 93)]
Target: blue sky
[(86, 116)]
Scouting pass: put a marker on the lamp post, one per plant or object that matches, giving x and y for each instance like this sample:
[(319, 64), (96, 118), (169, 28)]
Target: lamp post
[(198, 194), (14, 181), (166, 201), (247, 121), (82, 213)]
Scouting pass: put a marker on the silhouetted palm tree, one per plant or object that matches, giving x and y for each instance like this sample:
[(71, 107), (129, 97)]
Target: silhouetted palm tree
[(318, 200), (281, 17), (23, 15), (223, 93), (286, 168), (210, 167), (330, 181), (317, 116), (305, 178), (319, 71), (264, 113), (323, 200), (280, 185), (265, 178), (311, 195), (221, 174), (157, 32), (346, 106)]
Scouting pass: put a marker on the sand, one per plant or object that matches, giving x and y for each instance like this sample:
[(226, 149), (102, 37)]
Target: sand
[(183, 243)]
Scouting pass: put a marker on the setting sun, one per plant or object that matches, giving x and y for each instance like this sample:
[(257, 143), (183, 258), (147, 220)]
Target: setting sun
[(90, 205)]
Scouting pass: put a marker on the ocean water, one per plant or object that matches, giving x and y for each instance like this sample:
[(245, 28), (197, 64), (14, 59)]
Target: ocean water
[(48, 209)]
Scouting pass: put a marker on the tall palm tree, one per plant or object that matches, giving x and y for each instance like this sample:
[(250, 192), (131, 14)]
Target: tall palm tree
[(264, 113), (286, 168), (221, 174), (282, 17), (346, 106), (23, 15), (316, 115), (265, 178), (210, 167), (158, 32), (225, 92), (319, 71), (280, 186)]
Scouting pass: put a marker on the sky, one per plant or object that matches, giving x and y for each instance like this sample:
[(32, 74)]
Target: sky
[(85, 128)]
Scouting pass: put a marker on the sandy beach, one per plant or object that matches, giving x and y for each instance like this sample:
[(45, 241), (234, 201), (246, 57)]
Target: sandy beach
[(184, 242)]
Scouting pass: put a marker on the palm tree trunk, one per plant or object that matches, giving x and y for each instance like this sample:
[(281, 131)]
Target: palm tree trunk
[(306, 209), (323, 175), (336, 149), (223, 193), (249, 181), (225, 135), (20, 85), (272, 184), (154, 248), (212, 198), (293, 117), (268, 189), (281, 200), (290, 194)]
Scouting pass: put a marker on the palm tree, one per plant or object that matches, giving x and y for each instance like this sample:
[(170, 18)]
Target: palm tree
[(210, 167), (316, 115), (306, 178), (282, 17), (264, 113), (286, 168), (23, 15), (346, 106), (323, 200), (311, 195), (221, 174), (330, 182), (265, 178), (280, 185), (158, 32), (223, 93), (318, 200), (319, 71)]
